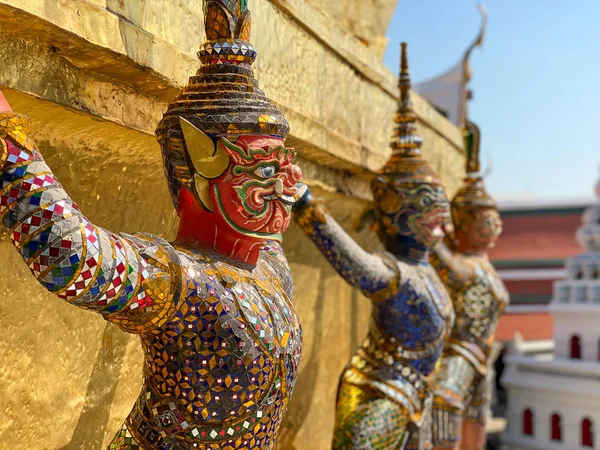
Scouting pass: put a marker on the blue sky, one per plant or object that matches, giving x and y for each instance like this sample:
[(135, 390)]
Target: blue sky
[(536, 85)]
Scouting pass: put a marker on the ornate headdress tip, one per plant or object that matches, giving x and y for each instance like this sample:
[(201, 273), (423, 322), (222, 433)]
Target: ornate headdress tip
[(227, 26), (404, 79), (403, 58), (223, 98), (472, 139), (406, 143), (226, 19), (473, 194)]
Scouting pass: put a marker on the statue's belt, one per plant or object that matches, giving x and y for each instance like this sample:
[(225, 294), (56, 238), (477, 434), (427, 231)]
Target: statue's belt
[(402, 384)]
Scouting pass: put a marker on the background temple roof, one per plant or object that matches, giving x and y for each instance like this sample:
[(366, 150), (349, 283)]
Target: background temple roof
[(533, 203)]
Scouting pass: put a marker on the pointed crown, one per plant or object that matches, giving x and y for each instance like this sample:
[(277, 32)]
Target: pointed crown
[(406, 164), (223, 99), (472, 194)]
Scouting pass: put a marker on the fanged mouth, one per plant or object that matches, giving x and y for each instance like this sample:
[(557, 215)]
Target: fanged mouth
[(287, 199), (435, 222), (434, 227)]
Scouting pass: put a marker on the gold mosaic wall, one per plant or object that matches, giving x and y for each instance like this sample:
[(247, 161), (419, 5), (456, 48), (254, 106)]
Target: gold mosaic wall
[(368, 20), (98, 75)]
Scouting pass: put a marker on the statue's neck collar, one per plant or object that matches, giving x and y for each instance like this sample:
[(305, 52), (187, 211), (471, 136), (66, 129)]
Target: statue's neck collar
[(408, 250)]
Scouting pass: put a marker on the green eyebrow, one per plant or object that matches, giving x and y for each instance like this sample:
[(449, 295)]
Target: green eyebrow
[(250, 170)]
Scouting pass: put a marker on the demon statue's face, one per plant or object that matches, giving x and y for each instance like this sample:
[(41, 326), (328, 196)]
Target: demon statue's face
[(479, 228), (411, 212), (252, 184)]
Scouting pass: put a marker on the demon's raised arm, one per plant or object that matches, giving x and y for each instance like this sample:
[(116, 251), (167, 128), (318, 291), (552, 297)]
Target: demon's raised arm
[(126, 279)]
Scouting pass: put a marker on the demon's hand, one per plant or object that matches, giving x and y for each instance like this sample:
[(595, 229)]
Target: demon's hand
[(306, 199)]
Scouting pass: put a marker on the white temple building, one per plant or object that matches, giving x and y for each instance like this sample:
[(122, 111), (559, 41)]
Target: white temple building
[(554, 401)]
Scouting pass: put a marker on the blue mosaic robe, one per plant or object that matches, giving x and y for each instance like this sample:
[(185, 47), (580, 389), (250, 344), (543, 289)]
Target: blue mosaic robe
[(385, 392)]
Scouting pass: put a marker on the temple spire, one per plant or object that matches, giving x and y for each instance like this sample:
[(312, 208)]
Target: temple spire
[(477, 42), (448, 92)]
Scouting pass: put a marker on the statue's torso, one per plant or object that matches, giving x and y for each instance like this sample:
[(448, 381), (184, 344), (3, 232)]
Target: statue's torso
[(479, 300), (220, 372), (406, 338)]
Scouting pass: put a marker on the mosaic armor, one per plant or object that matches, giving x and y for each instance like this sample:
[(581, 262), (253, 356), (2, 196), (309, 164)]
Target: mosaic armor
[(465, 376), (385, 391), (213, 310), (479, 298)]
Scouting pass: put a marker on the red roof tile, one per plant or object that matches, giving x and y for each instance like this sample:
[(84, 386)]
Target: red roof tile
[(533, 237), (529, 286), (532, 326)]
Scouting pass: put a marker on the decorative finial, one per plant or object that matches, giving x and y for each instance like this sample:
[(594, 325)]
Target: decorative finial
[(228, 25), (477, 42), (227, 19)]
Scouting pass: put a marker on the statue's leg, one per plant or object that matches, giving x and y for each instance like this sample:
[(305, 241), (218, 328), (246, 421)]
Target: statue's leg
[(447, 426), (123, 440), (367, 420), (474, 437), (477, 414), (414, 443), (454, 388)]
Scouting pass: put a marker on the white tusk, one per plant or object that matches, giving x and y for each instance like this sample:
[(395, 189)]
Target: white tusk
[(278, 186)]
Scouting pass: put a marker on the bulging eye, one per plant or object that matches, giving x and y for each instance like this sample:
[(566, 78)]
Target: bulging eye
[(266, 171), (426, 201)]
